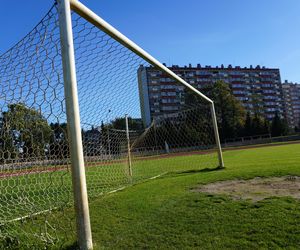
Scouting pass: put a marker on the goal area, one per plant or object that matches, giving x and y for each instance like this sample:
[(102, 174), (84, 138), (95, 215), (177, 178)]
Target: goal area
[(86, 112)]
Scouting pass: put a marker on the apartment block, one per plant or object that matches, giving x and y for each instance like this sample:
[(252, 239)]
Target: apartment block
[(258, 88), (291, 93)]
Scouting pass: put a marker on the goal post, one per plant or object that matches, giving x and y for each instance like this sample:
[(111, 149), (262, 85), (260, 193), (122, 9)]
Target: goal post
[(216, 133), (84, 233), (90, 16), (65, 88), (79, 181), (80, 190)]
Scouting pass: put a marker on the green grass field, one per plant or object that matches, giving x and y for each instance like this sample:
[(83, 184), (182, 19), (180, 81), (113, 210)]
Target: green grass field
[(164, 213)]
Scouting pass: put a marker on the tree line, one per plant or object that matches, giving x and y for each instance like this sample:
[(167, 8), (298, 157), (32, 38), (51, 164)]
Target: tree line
[(192, 126), (25, 133), (234, 121)]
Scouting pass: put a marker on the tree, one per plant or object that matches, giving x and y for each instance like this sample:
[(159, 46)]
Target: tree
[(59, 147), (279, 126), (297, 128), (266, 127), (248, 127), (230, 112), (24, 131), (258, 125), (120, 123), (257, 104)]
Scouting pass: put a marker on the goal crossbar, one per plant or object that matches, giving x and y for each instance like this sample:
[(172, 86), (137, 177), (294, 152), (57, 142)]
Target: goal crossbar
[(93, 18), (72, 105)]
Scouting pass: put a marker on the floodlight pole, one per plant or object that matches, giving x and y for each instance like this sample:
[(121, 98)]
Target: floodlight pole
[(84, 235), (128, 146)]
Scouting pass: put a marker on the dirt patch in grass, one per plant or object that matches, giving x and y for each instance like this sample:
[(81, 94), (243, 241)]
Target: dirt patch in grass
[(255, 189)]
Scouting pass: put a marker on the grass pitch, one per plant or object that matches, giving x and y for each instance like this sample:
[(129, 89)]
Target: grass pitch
[(164, 213)]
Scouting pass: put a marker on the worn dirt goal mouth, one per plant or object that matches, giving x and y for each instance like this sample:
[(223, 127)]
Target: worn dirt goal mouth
[(255, 189)]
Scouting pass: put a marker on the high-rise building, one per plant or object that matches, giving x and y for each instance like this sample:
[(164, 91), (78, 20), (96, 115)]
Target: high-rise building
[(259, 89), (291, 93)]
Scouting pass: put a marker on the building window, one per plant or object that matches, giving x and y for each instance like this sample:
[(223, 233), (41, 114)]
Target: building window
[(238, 92), (235, 85)]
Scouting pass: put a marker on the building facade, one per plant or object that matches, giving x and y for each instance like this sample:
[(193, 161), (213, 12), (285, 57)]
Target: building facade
[(259, 89), (291, 93)]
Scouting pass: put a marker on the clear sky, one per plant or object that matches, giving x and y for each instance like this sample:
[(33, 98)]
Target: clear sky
[(214, 32)]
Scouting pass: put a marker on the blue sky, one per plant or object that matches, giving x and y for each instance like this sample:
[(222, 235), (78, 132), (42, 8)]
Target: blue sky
[(214, 32)]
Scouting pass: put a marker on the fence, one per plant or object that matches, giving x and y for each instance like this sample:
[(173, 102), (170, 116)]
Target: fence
[(258, 139)]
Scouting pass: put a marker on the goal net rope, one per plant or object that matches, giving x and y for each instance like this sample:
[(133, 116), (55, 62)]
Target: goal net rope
[(170, 128)]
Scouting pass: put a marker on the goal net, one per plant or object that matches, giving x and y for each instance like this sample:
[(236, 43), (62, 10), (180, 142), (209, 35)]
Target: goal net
[(137, 122)]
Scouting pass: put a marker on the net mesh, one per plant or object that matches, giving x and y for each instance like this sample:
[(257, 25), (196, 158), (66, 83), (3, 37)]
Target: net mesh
[(36, 191)]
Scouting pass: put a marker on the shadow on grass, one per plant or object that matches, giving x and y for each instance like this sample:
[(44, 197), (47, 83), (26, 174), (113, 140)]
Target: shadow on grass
[(192, 171), (73, 246)]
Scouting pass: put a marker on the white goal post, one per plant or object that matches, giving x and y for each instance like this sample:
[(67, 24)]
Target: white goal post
[(72, 105)]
